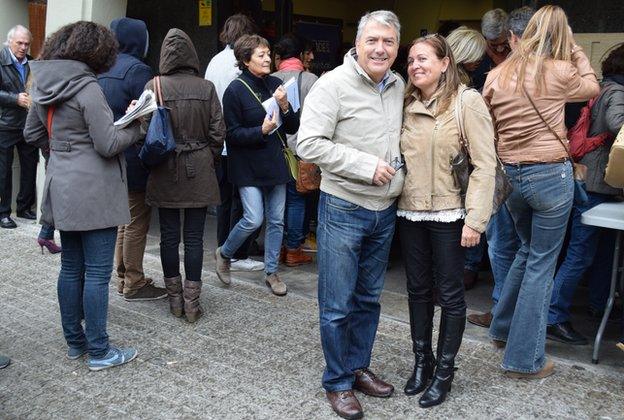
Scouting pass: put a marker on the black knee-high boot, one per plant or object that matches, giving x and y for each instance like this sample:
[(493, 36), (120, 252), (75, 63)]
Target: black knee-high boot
[(421, 324), (449, 340)]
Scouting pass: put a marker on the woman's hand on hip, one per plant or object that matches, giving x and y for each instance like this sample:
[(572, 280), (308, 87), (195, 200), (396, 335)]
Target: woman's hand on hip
[(269, 124), (470, 237)]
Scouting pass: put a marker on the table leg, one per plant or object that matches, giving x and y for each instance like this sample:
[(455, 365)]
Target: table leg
[(607, 311)]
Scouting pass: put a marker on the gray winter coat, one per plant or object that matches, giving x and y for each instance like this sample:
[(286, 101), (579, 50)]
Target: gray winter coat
[(607, 116), (85, 186)]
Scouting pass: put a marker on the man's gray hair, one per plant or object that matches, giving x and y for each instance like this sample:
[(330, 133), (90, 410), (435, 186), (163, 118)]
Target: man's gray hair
[(14, 30), (384, 17), (519, 19), (494, 24)]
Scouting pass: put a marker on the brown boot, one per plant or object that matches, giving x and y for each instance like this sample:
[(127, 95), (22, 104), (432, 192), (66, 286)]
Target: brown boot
[(192, 308), (345, 404), (174, 290), (482, 320), (295, 257)]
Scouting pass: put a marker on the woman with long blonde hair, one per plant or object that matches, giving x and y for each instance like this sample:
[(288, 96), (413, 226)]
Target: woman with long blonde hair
[(436, 222), (468, 46), (526, 95)]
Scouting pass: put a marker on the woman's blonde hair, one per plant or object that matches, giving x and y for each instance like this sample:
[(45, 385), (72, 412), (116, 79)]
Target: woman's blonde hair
[(449, 80), (468, 46), (547, 36)]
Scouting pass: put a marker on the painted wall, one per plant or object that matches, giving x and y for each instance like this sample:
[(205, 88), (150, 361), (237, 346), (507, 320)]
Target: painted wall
[(61, 12), (13, 12)]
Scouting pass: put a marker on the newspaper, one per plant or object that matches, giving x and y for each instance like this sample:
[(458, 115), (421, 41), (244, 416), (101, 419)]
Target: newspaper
[(146, 104), (292, 94)]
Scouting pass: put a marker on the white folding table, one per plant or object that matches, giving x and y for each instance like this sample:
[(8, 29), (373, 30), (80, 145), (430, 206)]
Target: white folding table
[(611, 216)]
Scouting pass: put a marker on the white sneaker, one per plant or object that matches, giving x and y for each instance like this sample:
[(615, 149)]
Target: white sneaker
[(246, 265)]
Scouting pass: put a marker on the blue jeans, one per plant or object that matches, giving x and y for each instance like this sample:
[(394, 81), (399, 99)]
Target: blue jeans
[(353, 247), (46, 232), (296, 230), (86, 266), (503, 243), (540, 206), (474, 255), (580, 254), (260, 202)]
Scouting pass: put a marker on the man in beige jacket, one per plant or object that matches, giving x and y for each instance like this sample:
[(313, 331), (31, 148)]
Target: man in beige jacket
[(350, 128)]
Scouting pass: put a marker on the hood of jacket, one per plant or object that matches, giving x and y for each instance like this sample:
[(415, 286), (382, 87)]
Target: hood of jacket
[(178, 53), (56, 81), (131, 35)]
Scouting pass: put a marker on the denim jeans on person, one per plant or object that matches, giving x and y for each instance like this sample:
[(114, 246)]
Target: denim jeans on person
[(193, 231), (46, 232), (86, 266), (503, 243), (353, 246), (474, 256), (581, 252), (540, 206), (433, 250), (296, 229), (258, 203)]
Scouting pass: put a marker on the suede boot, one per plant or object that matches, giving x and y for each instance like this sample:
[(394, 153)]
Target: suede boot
[(192, 308), (449, 340), (174, 291), (421, 325)]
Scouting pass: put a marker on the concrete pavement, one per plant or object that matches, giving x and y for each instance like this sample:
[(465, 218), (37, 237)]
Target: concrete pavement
[(252, 355)]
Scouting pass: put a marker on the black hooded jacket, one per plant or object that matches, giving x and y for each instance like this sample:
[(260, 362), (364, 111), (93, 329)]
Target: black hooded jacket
[(124, 82)]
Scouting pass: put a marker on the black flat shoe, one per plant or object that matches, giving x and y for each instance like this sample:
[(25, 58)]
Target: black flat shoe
[(564, 333), (7, 223), (27, 214)]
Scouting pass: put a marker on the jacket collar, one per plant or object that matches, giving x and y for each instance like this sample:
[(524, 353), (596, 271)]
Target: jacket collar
[(7, 61), (350, 59)]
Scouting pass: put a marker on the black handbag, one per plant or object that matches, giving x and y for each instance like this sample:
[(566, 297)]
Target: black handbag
[(462, 168), (159, 141)]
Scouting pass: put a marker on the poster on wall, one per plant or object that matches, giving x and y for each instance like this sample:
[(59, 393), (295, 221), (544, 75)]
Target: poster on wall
[(327, 39), (205, 12)]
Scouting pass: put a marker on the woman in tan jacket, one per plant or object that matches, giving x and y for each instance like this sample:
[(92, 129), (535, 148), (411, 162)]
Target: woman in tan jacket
[(436, 223), (526, 95)]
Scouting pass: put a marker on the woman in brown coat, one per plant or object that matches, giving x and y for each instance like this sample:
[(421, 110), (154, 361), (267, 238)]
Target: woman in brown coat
[(186, 180)]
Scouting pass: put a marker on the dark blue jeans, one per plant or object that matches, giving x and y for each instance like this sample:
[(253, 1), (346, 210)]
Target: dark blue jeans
[(474, 255), (296, 228), (503, 243), (582, 251), (86, 266), (46, 232), (353, 247)]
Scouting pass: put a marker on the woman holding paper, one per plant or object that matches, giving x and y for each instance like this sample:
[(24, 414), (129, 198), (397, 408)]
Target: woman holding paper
[(257, 166)]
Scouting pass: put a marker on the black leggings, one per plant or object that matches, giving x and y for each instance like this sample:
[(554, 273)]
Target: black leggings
[(433, 254), (194, 220)]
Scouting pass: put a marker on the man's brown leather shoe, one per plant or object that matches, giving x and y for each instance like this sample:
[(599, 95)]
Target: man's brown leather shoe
[(345, 404), (367, 383), (482, 320)]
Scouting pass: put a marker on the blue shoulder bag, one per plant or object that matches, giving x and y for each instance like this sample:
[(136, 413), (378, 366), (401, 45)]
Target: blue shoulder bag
[(159, 141)]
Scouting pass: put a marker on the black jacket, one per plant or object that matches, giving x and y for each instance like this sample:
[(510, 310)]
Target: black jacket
[(124, 82), (12, 116), (255, 159)]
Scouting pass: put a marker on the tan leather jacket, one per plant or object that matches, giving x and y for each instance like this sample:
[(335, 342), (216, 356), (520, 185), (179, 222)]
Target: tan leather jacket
[(429, 144)]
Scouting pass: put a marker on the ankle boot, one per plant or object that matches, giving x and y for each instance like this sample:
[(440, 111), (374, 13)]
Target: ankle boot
[(421, 324), (449, 340), (174, 292), (192, 308)]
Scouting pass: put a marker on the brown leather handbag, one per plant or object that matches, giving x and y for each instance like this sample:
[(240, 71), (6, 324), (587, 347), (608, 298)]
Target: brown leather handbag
[(309, 177)]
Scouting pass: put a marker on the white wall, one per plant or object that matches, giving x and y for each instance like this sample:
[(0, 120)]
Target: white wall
[(61, 12), (598, 46)]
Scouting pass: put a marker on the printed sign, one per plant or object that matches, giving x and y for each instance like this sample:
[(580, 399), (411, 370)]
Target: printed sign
[(205, 12)]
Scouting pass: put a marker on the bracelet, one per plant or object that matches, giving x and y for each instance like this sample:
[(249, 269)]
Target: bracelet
[(576, 48), (285, 112)]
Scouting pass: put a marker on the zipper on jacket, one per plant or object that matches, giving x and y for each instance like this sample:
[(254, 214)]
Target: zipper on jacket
[(433, 136)]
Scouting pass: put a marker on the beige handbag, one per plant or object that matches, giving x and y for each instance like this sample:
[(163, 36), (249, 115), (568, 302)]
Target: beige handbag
[(614, 173)]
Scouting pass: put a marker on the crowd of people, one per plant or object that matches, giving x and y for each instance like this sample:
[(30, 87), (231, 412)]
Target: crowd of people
[(386, 147)]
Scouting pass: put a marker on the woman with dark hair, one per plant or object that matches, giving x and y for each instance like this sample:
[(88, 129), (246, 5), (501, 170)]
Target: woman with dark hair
[(436, 223), (256, 159), (297, 221), (186, 181), (85, 195), (526, 95), (607, 116)]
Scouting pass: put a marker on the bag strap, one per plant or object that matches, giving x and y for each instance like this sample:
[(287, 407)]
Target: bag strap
[(158, 91), (260, 102), (463, 141), (51, 109), (567, 149)]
